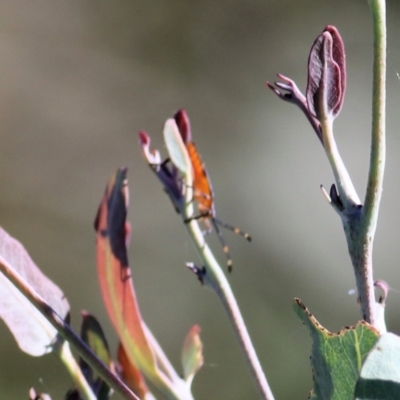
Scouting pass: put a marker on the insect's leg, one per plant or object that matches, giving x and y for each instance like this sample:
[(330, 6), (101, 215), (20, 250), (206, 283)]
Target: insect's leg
[(205, 217), (194, 217), (224, 245), (232, 228), (208, 225)]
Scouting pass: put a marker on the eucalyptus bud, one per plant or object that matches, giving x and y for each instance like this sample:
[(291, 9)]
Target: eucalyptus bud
[(326, 84)]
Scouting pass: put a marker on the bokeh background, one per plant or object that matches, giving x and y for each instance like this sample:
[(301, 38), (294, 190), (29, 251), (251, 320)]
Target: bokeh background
[(78, 79)]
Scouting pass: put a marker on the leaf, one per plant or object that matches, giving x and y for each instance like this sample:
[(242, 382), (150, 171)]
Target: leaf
[(33, 333), (73, 394), (116, 285), (380, 305), (176, 147), (92, 334), (131, 375), (380, 373), (114, 273), (326, 84), (336, 358), (183, 124), (166, 172), (287, 90), (116, 282), (37, 396), (192, 353)]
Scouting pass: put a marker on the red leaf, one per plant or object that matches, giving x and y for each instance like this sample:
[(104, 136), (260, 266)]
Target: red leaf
[(114, 274), (326, 74), (131, 375)]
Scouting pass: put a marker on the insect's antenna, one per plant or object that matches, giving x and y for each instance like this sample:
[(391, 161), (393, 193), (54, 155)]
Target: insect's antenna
[(231, 228), (225, 247)]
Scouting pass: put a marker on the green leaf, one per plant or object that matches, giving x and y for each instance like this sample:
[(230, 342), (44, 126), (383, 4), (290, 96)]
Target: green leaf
[(380, 373), (336, 358), (92, 334), (192, 353)]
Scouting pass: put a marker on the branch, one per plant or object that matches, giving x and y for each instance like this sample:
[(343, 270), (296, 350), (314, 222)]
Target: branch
[(214, 275), (323, 101), (68, 334), (378, 149)]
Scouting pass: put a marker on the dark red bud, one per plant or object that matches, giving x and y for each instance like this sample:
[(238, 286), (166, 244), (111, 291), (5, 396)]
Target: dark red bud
[(326, 84), (183, 124)]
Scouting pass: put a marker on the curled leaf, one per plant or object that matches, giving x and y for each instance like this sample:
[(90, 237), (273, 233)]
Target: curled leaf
[(166, 172), (33, 333), (183, 124), (176, 146), (117, 286), (380, 305), (326, 84), (192, 353), (92, 334), (114, 273), (287, 90)]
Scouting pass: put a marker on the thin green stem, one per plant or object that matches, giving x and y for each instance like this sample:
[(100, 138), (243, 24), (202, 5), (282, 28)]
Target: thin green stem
[(221, 287), (378, 145), (378, 142), (345, 186), (352, 220), (66, 332), (64, 352)]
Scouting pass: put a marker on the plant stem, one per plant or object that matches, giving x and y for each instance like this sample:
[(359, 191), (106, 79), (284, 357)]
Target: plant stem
[(360, 222), (221, 287), (345, 186), (67, 333), (378, 149), (64, 352)]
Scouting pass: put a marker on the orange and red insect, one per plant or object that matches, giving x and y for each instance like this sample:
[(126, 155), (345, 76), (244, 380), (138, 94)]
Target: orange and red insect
[(203, 192)]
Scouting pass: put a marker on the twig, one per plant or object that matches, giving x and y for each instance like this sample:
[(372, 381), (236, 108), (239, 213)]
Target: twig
[(221, 287), (378, 154), (67, 333)]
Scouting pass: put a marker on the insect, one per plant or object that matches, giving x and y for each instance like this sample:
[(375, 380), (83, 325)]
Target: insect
[(203, 192)]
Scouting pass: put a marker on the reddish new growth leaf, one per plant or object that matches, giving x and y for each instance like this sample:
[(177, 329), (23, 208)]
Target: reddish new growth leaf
[(131, 375), (326, 74), (326, 84), (287, 90), (192, 353), (114, 274), (166, 172)]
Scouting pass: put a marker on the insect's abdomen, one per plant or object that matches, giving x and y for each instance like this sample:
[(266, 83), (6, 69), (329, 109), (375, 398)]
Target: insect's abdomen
[(202, 188)]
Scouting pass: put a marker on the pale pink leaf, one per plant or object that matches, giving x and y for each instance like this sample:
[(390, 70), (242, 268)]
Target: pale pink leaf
[(33, 333)]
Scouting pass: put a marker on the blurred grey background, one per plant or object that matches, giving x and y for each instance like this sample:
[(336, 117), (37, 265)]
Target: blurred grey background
[(78, 79)]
